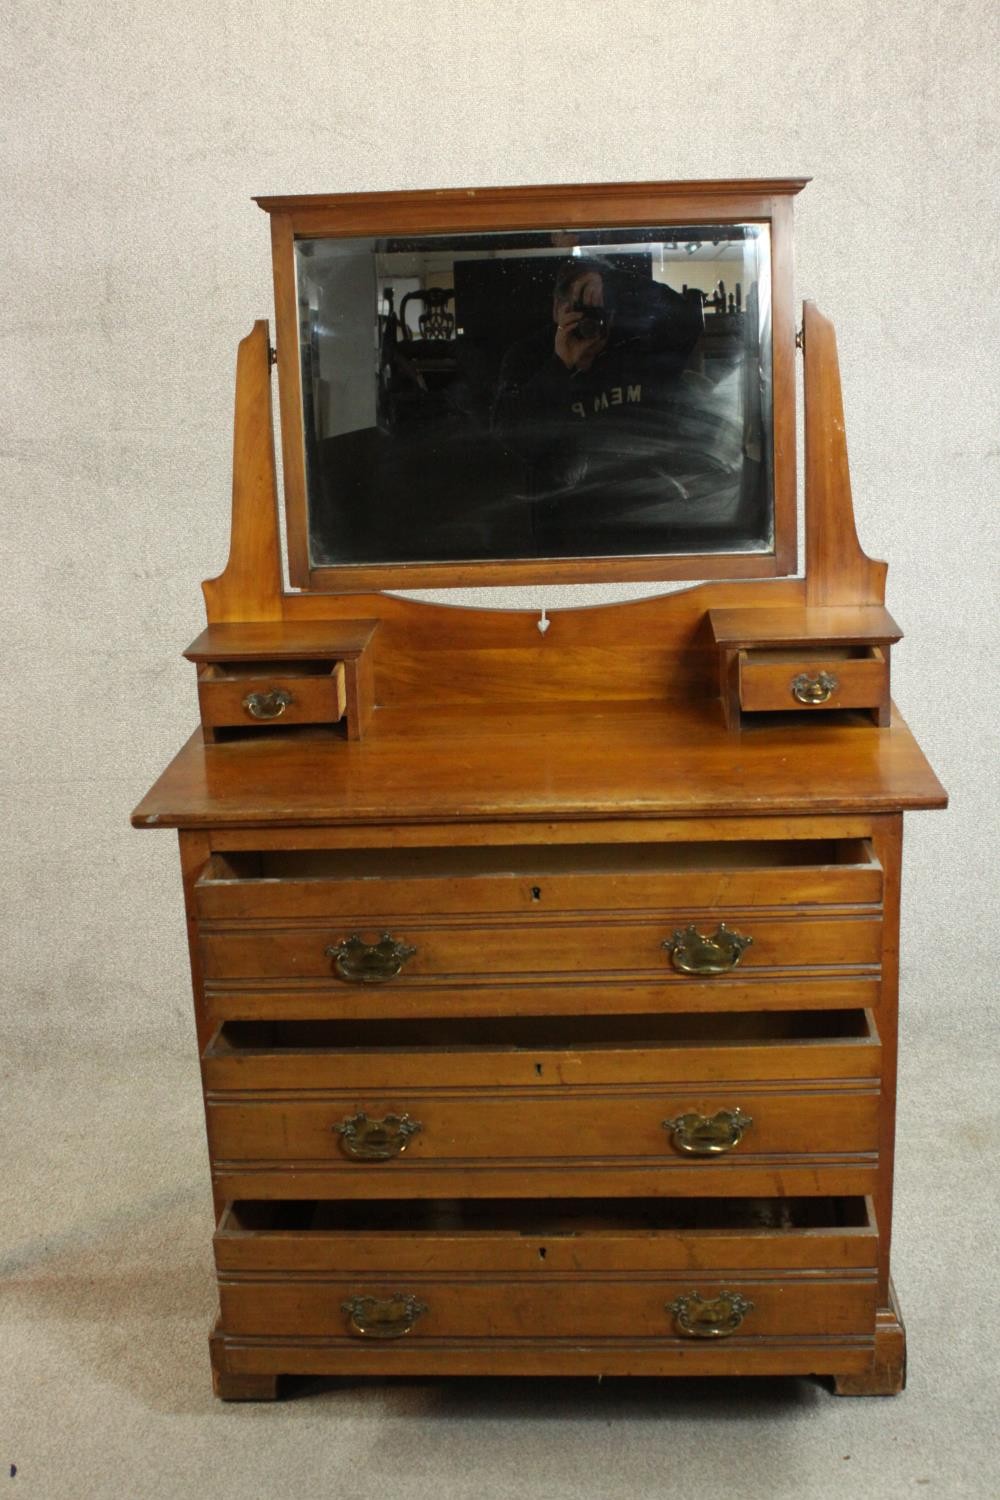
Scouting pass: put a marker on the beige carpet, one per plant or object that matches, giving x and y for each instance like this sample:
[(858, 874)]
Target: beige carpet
[(107, 1296)]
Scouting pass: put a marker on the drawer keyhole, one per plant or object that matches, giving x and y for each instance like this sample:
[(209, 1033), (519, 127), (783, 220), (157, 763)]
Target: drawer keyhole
[(542, 1253), (536, 893)]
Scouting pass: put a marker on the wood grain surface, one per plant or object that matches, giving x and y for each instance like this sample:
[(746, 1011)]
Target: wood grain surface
[(552, 762)]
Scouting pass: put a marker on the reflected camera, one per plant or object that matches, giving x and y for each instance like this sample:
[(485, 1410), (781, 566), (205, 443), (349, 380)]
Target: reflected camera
[(593, 324)]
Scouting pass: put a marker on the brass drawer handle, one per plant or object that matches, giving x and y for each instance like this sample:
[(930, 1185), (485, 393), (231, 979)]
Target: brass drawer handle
[(693, 952), (708, 1135), (817, 687), (699, 1317), (382, 1317), (376, 1140), (359, 962), (269, 705)]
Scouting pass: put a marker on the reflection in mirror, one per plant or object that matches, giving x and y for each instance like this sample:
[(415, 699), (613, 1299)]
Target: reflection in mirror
[(530, 395)]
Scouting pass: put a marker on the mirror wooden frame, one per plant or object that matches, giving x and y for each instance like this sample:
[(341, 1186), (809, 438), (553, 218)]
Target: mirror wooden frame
[(481, 210)]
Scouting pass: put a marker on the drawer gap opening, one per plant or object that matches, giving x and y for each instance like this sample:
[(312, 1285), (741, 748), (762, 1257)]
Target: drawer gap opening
[(770, 656), (551, 1218), (232, 671), (543, 1033), (780, 719), (534, 862)]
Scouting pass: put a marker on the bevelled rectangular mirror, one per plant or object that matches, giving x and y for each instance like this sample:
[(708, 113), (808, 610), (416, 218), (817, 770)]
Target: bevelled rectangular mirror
[(519, 403)]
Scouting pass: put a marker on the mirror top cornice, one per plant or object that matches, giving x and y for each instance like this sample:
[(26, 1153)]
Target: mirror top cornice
[(708, 189)]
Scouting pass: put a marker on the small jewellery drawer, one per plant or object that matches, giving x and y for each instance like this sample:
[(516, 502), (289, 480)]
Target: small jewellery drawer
[(376, 885), (675, 947), (798, 679), (630, 1108), (702, 1271), (257, 694)]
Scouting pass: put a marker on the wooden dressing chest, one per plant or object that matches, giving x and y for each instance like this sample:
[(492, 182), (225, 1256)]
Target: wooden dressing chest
[(546, 979)]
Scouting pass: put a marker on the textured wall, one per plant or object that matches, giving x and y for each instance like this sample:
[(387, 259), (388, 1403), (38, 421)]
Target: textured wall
[(133, 261)]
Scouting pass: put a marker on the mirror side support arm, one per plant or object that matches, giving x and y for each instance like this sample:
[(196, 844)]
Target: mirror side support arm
[(837, 570), (250, 588)]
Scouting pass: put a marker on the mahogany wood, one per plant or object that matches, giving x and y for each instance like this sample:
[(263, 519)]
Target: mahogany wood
[(460, 837), (886, 1376), (539, 946), (316, 697), (888, 840), (308, 640), (745, 628), (550, 763), (236, 1358), (650, 649), (608, 1177), (543, 996), (701, 875), (762, 651), (360, 578), (626, 1307), (489, 1128), (837, 571), (534, 206), (293, 458), (250, 587), (584, 205), (234, 1385), (536, 813), (256, 1242), (548, 1054), (766, 678)]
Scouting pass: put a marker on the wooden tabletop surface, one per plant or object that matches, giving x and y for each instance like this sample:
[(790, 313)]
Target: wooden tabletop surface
[(556, 761)]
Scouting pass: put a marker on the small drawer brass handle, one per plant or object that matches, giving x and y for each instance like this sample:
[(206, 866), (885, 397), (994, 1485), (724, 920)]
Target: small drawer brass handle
[(359, 962), (376, 1140), (708, 1135), (693, 952), (817, 687), (698, 1317), (270, 705), (382, 1317)]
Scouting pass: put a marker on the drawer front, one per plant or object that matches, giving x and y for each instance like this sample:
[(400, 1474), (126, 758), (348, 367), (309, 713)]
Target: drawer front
[(553, 1236), (428, 952), (280, 697), (651, 1270), (417, 1308), (366, 886), (377, 1137), (542, 1053), (553, 997), (615, 1178), (774, 681)]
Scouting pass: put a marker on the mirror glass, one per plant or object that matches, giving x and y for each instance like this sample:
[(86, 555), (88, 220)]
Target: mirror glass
[(532, 395)]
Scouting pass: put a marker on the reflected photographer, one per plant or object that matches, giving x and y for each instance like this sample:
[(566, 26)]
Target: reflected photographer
[(596, 398), (582, 320)]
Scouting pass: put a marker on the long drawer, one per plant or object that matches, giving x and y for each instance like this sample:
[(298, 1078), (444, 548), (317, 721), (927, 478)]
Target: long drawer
[(744, 1103), (430, 951), (659, 1271), (697, 876), (551, 995), (550, 1051)]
